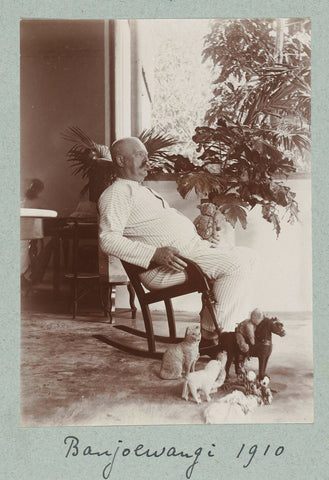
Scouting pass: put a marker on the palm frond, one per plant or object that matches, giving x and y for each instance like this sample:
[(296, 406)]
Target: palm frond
[(85, 154), (157, 143), (77, 136), (288, 137)]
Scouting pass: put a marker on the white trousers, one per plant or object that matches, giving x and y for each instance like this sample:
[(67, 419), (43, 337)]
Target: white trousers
[(230, 271)]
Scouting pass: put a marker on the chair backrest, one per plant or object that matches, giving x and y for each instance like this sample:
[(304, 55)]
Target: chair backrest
[(133, 272), (81, 242)]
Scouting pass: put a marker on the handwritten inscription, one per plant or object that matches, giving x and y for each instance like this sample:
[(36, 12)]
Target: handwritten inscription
[(191, 459), (276, 451)]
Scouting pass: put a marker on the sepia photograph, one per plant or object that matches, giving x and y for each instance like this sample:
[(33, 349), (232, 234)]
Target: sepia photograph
[(165, 222)]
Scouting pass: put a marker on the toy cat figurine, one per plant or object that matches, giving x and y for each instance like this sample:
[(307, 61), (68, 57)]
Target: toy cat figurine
[(180, 358), (207, 380)]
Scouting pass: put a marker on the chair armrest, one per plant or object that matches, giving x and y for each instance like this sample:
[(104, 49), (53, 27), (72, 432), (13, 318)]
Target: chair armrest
[(194, 273)]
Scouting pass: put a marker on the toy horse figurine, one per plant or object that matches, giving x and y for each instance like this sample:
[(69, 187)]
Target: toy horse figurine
[(262, 348), (263, 342)]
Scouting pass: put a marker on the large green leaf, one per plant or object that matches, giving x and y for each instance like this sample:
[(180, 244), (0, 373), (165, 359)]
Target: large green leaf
[(293, 211), (232, 206), (233, 213), (270, 214), (202, 182)]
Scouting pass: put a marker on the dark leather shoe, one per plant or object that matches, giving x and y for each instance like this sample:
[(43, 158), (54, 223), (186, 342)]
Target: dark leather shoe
[(209, 347), (205, 343)]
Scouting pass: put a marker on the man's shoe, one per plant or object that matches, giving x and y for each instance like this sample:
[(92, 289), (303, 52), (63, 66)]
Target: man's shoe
[(208, 342), (210, 347)]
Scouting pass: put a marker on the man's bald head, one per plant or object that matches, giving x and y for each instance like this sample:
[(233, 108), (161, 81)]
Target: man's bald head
[(130, 158), (124, 146)]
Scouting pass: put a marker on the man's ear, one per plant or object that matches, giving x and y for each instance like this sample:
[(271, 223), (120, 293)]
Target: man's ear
[(120, 161)]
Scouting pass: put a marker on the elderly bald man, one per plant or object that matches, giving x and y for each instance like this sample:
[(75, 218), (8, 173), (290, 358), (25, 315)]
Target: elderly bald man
[(138, 226)]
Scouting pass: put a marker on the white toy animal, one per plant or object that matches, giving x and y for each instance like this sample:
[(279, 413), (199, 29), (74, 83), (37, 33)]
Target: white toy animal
[(207, 380)]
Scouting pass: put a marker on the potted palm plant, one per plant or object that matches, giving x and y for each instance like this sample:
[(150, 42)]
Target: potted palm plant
[(93, 161)]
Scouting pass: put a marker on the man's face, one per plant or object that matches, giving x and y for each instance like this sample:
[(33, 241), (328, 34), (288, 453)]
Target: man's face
[(135, 160)]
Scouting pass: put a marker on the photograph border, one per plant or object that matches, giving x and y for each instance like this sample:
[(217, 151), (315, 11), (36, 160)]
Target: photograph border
[(225, 449)]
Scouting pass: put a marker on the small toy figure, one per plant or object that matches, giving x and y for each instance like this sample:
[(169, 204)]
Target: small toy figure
[(207, 380), (250, 383), (179, 359), (245, 331), (211, 225), (262, 348), (204, 223), (265, 391)]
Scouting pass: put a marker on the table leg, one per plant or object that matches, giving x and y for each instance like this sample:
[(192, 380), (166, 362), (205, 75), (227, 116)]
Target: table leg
[(56, 265), (111, 297)]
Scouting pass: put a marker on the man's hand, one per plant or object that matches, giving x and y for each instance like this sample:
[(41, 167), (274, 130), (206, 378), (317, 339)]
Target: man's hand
[(215, 242), (169, 256)]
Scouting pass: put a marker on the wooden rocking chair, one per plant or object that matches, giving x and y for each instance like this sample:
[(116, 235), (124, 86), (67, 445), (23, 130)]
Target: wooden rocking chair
[(196, 282)]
